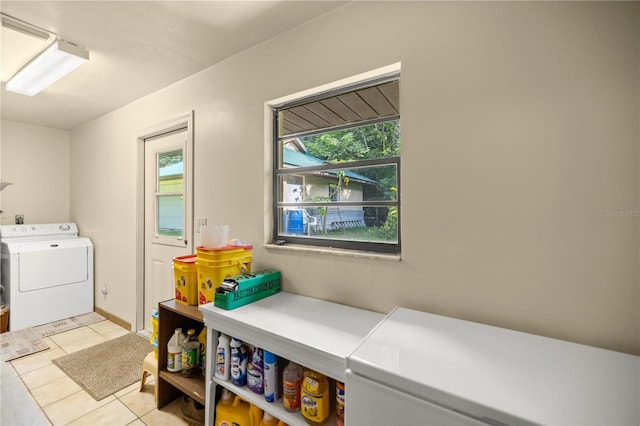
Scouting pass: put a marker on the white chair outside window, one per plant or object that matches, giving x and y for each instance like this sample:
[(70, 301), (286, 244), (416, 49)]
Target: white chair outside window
[(312, 223)]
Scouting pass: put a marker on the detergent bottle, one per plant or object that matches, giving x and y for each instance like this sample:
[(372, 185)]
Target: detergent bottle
[(339, 403), (202, 338), (232, 409), (239, 358), (223, 357), (255, 371), (225, 401), (256, 415), (154, 334), (268, 420), (315, 397), (174, 351)]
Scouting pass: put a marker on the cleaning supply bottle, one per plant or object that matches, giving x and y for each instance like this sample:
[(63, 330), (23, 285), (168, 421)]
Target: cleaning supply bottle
[(271, 385), (315, 397), (339, 403), (256, 415), (268, 420), (255, 371), (291, 386), (231, 409), (190, 354), (222, 357), (174, 351), (238, 367), (225, 401), (154, 333), (202, 338)]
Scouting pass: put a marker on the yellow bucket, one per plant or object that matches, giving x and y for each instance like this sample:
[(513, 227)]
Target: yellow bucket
[(185, 274), (223, 253), (211, 274)]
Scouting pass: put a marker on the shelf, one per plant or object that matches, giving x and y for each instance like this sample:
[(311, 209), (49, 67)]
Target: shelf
[(172, 315), (276, 409), (314, 333), (184, 310), (190, 386)]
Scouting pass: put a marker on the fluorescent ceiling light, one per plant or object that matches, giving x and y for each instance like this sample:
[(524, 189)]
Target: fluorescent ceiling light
[(24, 27), (56, 61)]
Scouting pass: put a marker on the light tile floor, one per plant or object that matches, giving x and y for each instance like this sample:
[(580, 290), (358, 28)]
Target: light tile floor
[(37, 392)]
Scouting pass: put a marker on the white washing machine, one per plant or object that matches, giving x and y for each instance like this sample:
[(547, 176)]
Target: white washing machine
[(47, 273)]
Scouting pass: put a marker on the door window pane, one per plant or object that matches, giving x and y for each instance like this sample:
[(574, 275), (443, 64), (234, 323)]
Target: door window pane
[(170, 171), (170, 194), (170, 220)]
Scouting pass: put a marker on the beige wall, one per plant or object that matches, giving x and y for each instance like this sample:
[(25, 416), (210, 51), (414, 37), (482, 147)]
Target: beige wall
[(519, 133), (36, 160)]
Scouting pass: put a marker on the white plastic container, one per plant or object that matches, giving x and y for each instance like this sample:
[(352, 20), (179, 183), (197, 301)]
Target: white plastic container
[(222, 357), (174, 351), (215, 236), (271, 387)]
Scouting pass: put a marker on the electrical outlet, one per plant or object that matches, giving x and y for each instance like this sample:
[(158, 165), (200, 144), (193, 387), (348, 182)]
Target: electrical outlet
[(202, 221)]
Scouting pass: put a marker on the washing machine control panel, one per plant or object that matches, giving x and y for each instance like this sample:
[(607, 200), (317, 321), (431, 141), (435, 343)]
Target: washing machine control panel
[(59, 230)]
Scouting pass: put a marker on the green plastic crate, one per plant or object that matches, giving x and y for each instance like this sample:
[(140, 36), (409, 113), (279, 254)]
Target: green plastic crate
[(251, 287)]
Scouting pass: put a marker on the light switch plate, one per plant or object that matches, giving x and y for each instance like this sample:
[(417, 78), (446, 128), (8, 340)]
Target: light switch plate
[(200, 222)]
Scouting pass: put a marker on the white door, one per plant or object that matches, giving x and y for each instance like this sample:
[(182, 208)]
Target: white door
[(167, 217)]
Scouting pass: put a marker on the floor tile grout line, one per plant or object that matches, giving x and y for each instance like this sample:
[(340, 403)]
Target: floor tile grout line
[(33, 397), (129, 408), (42, 384), (123, 403), (115, 398), (87, 413), (41, 408)]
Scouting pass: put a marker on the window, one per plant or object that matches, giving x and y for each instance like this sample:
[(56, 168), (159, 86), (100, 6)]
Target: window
[(170, 194), (337, 168)]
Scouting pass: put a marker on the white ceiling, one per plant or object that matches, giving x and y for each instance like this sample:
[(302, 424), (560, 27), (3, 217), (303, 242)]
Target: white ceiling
[(136, 48)]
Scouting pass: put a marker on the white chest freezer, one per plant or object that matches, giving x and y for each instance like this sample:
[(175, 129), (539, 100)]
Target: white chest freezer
[(417, 368)]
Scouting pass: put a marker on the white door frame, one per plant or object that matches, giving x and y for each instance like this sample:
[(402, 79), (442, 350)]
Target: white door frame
[(181, 121)]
